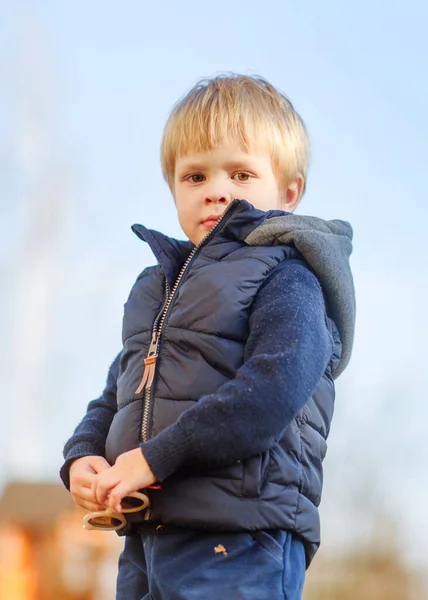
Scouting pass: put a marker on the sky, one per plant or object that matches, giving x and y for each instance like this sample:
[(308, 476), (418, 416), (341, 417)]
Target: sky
[(85, 89)]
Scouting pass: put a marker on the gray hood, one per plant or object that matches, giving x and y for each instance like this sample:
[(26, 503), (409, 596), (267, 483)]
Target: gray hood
[(326, 247)]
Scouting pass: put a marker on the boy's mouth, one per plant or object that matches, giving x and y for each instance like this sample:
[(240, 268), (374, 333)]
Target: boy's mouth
[(211, 221)]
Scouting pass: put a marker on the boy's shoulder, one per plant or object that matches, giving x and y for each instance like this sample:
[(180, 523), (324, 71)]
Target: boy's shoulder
[(147, 271), (293, 292), (291, 276), (150, 277)]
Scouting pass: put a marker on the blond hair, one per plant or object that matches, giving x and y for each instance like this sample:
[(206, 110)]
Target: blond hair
[(239, 109)]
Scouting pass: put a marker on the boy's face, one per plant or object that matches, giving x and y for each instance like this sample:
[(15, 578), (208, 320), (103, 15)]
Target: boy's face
[(205, 183)]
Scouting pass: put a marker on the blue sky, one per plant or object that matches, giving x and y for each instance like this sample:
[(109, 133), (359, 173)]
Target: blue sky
[(86, 88)]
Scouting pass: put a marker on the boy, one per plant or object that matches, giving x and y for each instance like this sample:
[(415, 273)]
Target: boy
[(220, 402)]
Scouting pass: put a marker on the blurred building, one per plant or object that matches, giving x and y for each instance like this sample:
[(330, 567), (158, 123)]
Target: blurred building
[(44, 552)]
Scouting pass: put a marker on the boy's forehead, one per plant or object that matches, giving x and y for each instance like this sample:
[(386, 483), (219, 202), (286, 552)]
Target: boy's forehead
[(231, 152)]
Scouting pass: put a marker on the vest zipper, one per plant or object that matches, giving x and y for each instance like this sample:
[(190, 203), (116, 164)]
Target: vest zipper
[(146, 382), (150, 366)]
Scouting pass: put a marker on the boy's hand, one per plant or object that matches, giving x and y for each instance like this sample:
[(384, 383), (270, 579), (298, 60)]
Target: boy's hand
[(83, 472), (130, 473)]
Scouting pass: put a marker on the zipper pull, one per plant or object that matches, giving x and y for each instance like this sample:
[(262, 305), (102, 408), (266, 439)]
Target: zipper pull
[(150, 364)]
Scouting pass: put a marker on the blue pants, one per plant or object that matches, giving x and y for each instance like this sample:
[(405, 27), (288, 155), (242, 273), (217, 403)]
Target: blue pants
[(262, 565)]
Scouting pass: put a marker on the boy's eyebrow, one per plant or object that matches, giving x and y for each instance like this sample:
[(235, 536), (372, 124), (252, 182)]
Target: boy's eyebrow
[(192, 166), (240, 162)]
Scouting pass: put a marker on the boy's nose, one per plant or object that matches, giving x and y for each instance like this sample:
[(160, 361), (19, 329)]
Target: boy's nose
[(218, 198)]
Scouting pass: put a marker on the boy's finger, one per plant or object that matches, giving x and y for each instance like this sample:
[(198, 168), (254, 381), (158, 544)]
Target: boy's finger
[(99, 464), (93, 507), (90, 506), (85, 493), (116, 496), (102, 485), (83, 477), (79, 487)]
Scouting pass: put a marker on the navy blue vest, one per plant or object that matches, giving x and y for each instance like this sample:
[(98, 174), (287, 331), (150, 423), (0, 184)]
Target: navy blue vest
[(202, 347)]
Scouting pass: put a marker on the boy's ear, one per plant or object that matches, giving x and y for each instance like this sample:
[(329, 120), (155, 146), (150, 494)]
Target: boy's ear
[(293, 194)]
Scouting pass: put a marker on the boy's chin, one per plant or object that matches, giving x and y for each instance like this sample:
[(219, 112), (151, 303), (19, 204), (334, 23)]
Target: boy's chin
[(196, 237)]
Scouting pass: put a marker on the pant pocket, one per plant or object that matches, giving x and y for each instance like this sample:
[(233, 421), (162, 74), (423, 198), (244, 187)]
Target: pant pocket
[(272, 541)]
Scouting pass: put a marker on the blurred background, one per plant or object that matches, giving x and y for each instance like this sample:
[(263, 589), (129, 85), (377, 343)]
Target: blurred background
[(85, 88)]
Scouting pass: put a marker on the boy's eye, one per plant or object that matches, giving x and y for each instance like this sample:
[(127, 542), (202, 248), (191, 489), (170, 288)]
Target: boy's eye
[(196, 178), (242, 176)]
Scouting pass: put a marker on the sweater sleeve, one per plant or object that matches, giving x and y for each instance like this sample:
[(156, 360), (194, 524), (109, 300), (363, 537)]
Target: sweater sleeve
[(90, 435), (287, 351)]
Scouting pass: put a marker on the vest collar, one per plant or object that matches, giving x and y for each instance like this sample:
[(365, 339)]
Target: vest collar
[(171, 253)]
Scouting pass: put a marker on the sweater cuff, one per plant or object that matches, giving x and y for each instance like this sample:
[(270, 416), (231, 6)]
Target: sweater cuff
[(168, 451)]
